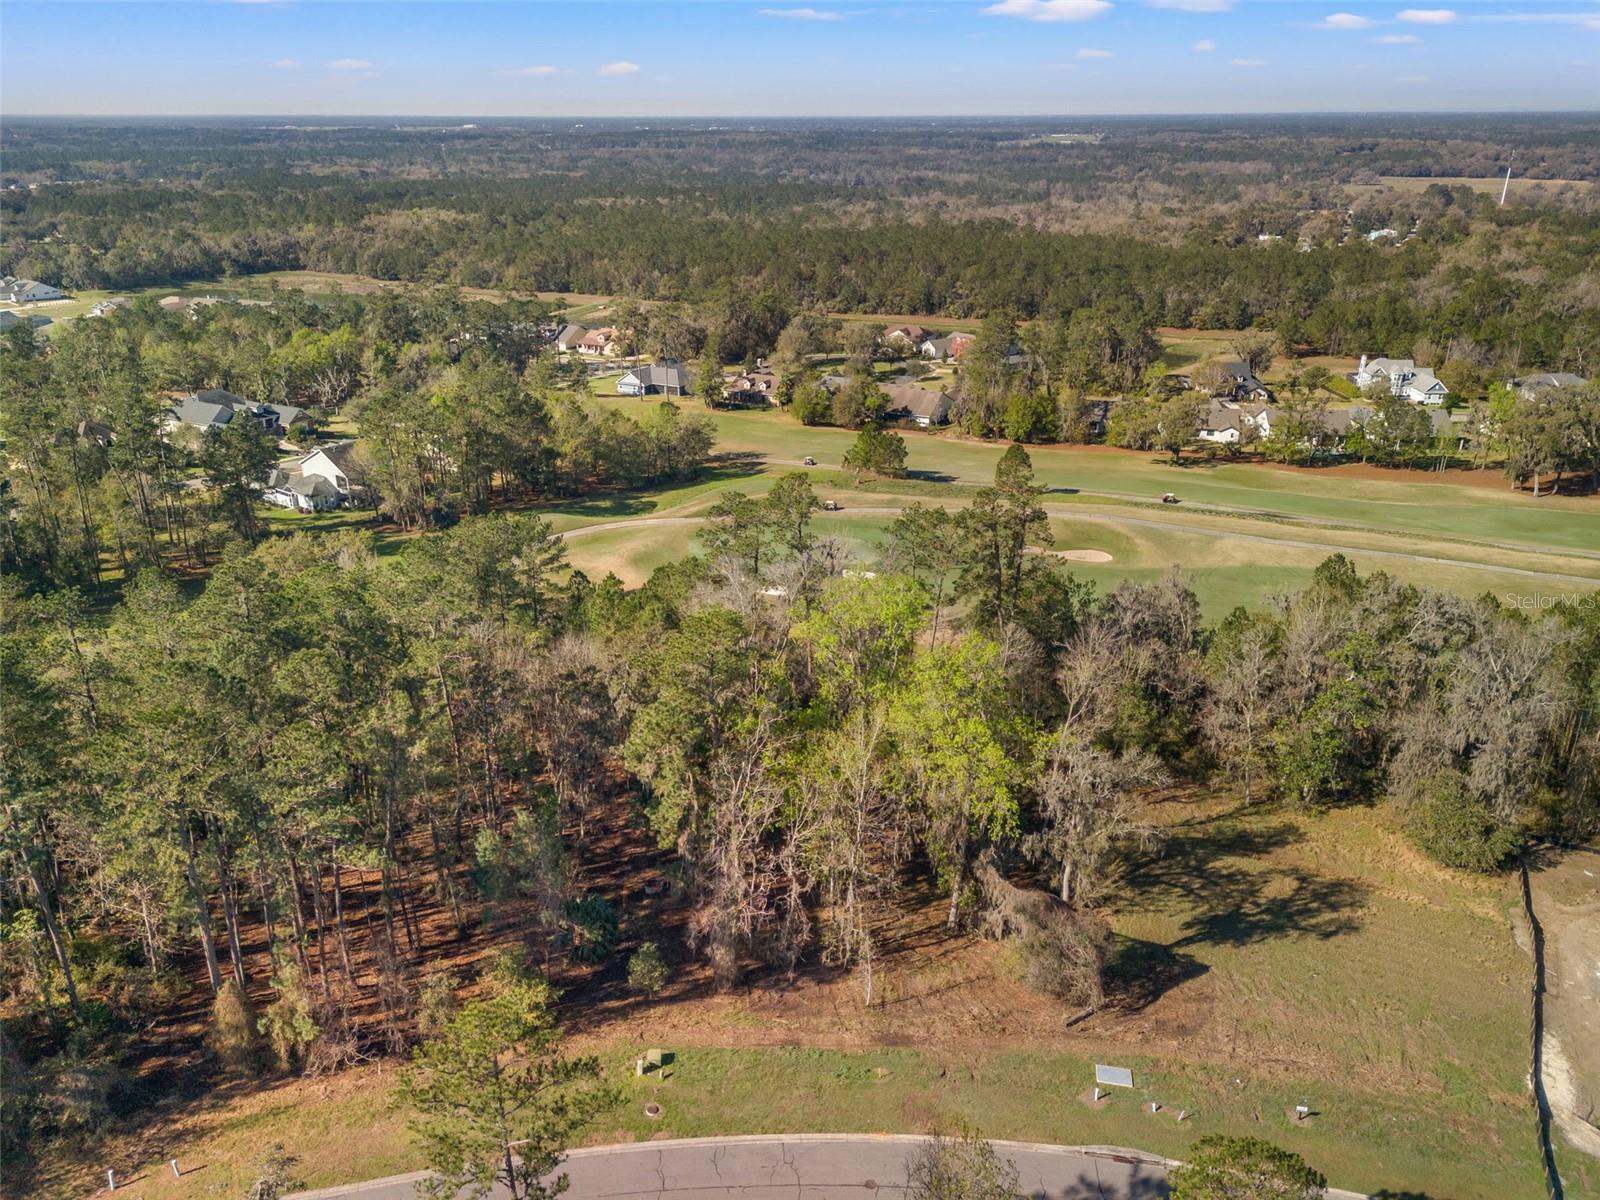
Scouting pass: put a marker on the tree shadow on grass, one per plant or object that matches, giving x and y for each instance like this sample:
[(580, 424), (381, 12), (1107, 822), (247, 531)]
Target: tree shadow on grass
[(1220, 877), (1138, 973)]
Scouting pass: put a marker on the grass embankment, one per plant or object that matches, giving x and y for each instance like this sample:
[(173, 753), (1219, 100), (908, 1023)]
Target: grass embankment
[(1266, 959)]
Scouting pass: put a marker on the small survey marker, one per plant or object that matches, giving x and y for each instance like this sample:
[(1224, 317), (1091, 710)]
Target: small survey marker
[(1113, 1076)]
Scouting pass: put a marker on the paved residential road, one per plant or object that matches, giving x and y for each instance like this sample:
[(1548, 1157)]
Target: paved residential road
[(807, 1167)]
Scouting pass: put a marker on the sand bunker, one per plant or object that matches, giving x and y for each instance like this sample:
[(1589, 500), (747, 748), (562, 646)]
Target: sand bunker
[(1082, 555)]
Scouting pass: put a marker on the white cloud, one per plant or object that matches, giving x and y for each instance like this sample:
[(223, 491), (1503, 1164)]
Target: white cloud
[(1204, 46), (802, 14), (1249, 62), (350, 64), (286, 64), (1085, 55), (1344, 21), (1593, 23), (1395, 39), (1049, 10), (1426, 16), (530, 72), (1198, 6), (620, 68)]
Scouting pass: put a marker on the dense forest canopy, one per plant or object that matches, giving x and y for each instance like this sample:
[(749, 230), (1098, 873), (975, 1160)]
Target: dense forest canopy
[(1200, 222)]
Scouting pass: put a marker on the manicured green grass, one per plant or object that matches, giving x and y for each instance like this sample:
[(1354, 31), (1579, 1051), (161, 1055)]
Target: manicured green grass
[(1421, 506)]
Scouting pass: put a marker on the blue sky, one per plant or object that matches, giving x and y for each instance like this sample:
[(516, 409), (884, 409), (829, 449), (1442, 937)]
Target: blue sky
[(787, 58)]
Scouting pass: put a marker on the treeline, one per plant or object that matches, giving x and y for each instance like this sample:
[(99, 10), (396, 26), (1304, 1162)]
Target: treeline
[(1511, 283), (458, 412), (812, 745), (1004, 159)]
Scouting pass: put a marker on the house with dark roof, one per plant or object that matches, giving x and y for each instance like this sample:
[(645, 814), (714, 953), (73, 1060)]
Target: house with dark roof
[(664, 377), (920, 405), (753, 387)]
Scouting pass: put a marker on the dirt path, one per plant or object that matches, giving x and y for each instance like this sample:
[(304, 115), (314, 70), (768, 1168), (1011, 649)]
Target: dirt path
[(1566, 896)]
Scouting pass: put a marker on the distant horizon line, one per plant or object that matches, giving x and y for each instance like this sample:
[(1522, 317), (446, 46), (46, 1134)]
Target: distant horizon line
[(471, 118)]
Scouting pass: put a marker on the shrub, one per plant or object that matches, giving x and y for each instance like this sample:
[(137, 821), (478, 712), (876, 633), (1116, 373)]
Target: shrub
[(234, 1036), (289, 1023), (647, 970), (1244, 1168), (962, 1167), (1458, 829), (275, 1175), (589, 928), (437, 1003)]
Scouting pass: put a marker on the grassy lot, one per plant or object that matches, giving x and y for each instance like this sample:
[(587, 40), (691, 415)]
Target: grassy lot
[(1268, 958)]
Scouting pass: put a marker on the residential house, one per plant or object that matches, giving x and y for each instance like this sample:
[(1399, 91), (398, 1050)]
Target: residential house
[(951, 346), (26, 291), (1225, 424), (568, 337), (753, 387), (599, 343), (1528, 386), (923, 406), (303, 493), (339, 465), (214, 408), (664, 377), (328, 477), (1247, 389), (105, 308), (1402, 377), (904, 337)]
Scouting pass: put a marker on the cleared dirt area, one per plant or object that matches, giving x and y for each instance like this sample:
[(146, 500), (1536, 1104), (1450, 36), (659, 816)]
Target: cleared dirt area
[(1566, 897)]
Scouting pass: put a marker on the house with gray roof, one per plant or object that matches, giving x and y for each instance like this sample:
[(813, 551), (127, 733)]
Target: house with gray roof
[(214, 408), (664, 377), (920, 405), (1528, 386)]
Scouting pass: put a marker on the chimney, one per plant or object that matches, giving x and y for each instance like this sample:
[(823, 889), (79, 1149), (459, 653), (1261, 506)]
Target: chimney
[(1363, 362)]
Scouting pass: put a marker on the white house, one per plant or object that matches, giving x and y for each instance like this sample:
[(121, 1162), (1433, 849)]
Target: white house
[(26, 291), (326, 478), (1402, 377), (1425, 388), (337, 464), (303, 493)]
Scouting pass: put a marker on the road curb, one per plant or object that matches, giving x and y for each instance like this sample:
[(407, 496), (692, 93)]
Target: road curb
[(1119, 1153)]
